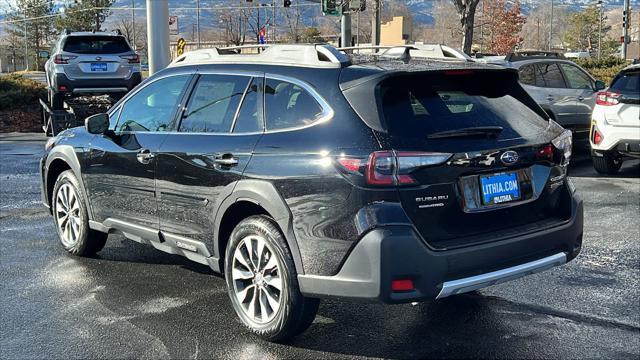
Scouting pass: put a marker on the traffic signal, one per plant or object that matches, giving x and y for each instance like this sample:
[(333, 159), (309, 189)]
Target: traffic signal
[(287, 3), (332, 7)]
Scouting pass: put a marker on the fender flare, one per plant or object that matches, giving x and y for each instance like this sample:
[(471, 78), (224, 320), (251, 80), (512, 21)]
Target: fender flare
[(265, 195), (67, 154)]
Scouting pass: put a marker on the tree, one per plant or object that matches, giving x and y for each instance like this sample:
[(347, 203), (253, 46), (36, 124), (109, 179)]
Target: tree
[(466, 14), (583, 30), (503, 25), (39, 25), (311, 35), (535, 32), (85, 15)]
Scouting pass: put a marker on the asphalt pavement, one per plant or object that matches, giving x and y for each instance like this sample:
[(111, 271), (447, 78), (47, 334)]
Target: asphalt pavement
[(132, 301)]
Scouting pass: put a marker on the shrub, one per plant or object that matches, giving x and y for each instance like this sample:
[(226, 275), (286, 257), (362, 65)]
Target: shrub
[(604, 69), (17, 91)]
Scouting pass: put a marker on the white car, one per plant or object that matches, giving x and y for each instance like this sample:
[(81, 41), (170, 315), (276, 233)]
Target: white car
[(615, 122)]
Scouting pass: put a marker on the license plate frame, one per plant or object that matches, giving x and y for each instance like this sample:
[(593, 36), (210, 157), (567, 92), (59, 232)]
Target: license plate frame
[(499, 188), (98, 67)]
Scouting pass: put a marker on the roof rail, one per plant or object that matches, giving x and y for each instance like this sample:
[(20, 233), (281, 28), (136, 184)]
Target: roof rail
[(303, 55), (533, 54)]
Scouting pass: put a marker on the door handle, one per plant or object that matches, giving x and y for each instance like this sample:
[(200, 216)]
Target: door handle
[(145, 156), (549, 98), (226, 160), (580, 98)]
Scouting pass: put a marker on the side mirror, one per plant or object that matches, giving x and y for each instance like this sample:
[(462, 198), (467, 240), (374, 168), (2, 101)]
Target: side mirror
[(97, 124), (600, 85)]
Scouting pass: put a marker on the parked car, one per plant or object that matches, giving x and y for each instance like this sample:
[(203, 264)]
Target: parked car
[(615, 127), (563, 89), (90, 63), (300, 173)]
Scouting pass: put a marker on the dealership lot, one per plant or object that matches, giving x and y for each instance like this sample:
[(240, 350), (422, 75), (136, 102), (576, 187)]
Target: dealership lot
[(133, 301)]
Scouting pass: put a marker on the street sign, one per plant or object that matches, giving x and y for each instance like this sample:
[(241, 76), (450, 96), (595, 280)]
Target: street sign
[(180, 46), (173, 25)]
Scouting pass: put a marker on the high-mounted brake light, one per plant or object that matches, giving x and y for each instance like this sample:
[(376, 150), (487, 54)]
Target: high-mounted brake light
[(63, 59), (607, 98), (133, 59)]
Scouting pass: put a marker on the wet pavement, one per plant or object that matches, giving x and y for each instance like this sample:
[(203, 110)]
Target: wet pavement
[(134, 301)]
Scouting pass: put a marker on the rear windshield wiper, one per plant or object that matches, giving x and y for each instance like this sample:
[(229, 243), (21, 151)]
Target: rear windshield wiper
[(485, 131)]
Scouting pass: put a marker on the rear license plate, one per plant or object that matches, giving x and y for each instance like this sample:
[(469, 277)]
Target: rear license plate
[(499, 188), (98, 66)]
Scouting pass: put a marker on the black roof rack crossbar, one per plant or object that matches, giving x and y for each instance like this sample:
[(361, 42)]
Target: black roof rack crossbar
[(533, 54)]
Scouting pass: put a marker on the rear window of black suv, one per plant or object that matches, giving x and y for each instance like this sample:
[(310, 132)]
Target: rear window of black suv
[(96, 45), (424, 104)]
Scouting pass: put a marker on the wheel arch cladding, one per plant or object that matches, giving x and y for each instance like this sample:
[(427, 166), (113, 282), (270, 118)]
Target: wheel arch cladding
[(60, 159), (254, 197)]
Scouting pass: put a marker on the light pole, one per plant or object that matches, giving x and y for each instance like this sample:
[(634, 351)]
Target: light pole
[(133, 23), (198, 20), (26, 44), (158, 34), (601, 5), (551, 27)]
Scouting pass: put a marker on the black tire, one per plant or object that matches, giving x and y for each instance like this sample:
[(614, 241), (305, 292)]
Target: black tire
[(87, 242), (56, 100), (608, 164), (296, 312)]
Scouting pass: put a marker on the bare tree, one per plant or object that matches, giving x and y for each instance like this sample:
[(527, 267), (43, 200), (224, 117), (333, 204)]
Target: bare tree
[(466, 15)]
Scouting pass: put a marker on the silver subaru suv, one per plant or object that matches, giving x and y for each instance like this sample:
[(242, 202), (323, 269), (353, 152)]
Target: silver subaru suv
[(91, 63)]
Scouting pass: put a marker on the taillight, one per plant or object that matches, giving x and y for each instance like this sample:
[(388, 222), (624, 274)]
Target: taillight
[(63, 59), (607, 98), (564, 143), (545, 152), (389, 168), (132, 59), (597, 137)]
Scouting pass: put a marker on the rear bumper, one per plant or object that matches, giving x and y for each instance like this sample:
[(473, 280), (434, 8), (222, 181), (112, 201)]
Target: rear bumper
[(397, 252), (625, 147), (93, 86)]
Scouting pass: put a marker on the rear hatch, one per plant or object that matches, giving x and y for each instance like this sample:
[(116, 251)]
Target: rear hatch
[(97, 56), (621, 102), (469, 152)]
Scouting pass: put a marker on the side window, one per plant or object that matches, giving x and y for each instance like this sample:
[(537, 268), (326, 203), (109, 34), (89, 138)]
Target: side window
[(528, 75), (552, 76), (153, 107), (288, 105), (576, 78), (213, 103), (250, 114)]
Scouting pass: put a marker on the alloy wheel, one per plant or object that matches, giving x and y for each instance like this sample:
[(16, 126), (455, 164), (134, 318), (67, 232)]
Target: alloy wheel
[(257, 281), (68, 215)]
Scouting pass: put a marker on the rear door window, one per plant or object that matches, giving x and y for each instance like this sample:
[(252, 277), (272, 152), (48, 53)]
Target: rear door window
[(551, 75), (214, 103), (288, 105), (411, 108), (96, 45), (576, 78)]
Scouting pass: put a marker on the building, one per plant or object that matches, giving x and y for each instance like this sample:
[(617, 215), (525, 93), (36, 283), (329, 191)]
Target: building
[(396, 32)]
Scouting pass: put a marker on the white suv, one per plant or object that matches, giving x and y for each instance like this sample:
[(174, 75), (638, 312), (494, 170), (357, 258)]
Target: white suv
[(615, 124)]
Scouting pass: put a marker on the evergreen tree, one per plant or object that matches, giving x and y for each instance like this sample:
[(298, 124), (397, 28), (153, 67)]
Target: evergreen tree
[(85, 15)]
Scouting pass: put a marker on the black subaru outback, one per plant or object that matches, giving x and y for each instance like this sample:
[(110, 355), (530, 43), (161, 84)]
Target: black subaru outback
[(301, 173)]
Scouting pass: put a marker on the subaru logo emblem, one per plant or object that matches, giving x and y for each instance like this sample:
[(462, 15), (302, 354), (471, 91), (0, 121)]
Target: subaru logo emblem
[(98, 58), (509, 157)]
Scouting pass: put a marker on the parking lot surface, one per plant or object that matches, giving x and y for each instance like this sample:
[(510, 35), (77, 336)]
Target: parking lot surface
[(134, 301)]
